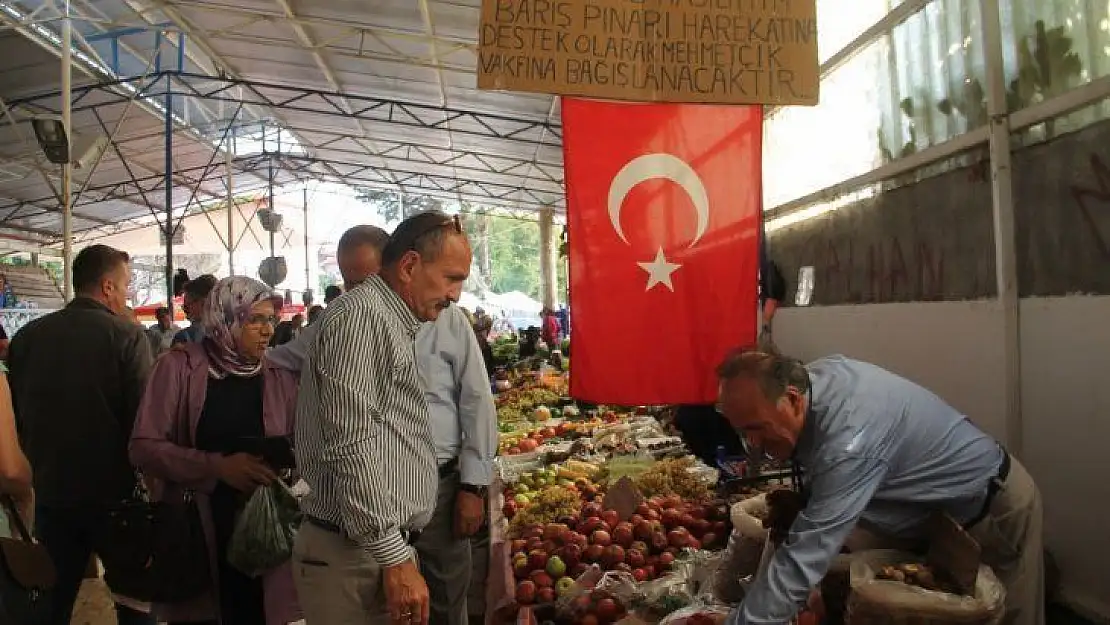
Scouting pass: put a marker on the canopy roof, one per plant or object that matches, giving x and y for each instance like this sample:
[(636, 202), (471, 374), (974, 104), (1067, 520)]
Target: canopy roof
[(377, 94)]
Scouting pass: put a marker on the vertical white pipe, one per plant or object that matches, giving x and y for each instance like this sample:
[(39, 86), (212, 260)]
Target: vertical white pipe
[(67, 168), (1005, 253)]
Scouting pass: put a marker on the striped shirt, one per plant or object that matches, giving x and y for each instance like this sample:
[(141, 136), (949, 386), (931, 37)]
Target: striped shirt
[(363, 439)]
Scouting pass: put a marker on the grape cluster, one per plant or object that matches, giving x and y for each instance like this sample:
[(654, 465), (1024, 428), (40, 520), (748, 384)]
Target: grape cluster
[(672, 477), (549, 505)]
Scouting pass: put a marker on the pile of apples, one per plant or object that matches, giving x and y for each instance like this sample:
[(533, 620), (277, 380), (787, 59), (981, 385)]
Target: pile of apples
[(547, 559)]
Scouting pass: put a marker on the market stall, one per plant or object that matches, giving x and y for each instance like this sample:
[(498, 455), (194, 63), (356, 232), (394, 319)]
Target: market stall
[(600, 516)]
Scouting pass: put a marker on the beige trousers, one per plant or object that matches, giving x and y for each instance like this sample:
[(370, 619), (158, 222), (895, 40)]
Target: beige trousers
[(337, 582), (1011, 536)]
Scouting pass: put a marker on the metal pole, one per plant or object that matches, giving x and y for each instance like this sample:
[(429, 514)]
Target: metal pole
[(169, 225), (67, 168), (271, 207), (1005, 253), (230, 216), (307, 266)]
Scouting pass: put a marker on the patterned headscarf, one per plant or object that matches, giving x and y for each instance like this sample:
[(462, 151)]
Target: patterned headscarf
[(229, 304)]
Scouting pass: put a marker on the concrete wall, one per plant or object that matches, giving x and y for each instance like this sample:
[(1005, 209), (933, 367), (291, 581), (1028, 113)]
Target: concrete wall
[(954, 348)]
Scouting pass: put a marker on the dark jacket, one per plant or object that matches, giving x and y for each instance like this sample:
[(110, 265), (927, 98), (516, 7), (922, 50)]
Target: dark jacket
[(77, 376)]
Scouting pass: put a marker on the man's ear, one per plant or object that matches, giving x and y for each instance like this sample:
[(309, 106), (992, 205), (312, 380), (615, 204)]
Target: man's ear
[(407, 265)]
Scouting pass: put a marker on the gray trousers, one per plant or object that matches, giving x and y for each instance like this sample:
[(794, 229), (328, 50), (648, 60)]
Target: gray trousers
[(337, 582), (445, 559)]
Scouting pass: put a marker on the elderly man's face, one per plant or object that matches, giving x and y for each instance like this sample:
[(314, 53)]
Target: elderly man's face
[(772, 426)]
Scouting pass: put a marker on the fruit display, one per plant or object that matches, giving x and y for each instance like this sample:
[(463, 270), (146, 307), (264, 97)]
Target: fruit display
[(672, 477), (914, 574), (542, 507)]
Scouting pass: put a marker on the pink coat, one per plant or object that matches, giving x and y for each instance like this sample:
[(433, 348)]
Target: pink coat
[(162, 447)]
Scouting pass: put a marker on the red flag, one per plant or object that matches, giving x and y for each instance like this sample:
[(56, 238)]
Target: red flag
[(663, 209)]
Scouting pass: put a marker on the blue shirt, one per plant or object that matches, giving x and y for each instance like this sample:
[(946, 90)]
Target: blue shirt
[(193, 334), (460, 402), (876, 447)]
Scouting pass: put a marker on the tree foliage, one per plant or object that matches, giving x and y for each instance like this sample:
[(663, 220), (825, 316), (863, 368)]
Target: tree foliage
[(506, 249)]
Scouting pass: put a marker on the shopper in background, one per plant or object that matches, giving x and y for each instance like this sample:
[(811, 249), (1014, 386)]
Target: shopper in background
[(772, 292), (314, 313), (332, 292), (464, 424), (365, 444), (204, 406), (76, 377), (196, 297), (881, 455), (15, 470), (360, 256), (162, 333)]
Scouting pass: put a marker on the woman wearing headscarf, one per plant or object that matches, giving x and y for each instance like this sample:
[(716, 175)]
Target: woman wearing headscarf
[(203, 405)]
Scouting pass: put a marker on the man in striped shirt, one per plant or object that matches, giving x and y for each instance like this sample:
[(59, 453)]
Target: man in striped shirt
[(364, 440)]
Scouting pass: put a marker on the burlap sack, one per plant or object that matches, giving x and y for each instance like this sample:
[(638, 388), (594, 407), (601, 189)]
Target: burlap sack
[(880, 602), (745, 547)]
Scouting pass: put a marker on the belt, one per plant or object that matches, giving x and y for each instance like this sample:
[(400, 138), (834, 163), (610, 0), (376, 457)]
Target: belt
[(410, 536), (449, 468), (993, 487)]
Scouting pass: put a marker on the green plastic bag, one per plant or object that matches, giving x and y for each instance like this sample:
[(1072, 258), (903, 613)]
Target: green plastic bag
[(263, 534)]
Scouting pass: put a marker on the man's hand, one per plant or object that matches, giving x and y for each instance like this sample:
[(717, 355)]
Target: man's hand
[(244, 472), (469, 512), (406, 594)]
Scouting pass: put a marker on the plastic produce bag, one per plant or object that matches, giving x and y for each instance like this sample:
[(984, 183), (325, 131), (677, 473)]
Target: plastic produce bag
[(698, 614), (882, 602), (263, 534)]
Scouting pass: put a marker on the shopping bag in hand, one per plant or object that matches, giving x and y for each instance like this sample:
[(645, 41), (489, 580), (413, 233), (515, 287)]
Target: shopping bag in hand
[(263, 534)]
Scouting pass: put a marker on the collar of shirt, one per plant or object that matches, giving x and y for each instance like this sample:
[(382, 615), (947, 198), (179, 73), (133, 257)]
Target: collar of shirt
[(88, 303), (804, 448), (395, 304)]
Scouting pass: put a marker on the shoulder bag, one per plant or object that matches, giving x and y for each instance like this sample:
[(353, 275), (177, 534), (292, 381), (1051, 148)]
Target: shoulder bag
[(27, 574)]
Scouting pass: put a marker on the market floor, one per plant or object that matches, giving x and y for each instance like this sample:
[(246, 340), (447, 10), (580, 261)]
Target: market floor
[(94, 607)]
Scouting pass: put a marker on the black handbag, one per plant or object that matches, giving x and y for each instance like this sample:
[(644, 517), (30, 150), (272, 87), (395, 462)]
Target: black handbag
[(156, 551), (27, 575)]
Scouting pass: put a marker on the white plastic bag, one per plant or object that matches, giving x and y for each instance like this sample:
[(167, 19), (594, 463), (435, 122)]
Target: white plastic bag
[(745, 548)]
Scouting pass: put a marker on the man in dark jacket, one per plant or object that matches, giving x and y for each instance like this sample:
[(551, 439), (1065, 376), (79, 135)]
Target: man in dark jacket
[(76, 377)]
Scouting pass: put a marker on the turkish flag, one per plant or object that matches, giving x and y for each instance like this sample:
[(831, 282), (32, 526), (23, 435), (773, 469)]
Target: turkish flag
[(663, 211)]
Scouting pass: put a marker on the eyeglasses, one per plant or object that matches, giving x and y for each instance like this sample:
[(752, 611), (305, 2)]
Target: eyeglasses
[(260, 319), (452, 222)]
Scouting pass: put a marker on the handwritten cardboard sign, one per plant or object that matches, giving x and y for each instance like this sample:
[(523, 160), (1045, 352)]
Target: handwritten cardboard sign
[(696, 51)]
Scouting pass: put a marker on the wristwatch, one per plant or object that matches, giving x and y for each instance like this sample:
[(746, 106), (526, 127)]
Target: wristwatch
[(473, 489)]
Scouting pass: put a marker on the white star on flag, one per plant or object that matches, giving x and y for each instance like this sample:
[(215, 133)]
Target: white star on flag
[(659, 271)]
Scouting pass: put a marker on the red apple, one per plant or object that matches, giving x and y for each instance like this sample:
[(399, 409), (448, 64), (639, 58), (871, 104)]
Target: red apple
[(518, 545), (591, 510), (659, 541), (601, 537), (607, 610), (640, 546), (593, 553), (521, 569), (526, 593), (571, 554), (709, 539), (537, 559), (611, 517), (672, 518), (643, 509), (635, 518), (509, 509), (642, 530), (686, 520), (649, 569), (553, 531), (545, 595), (589, 619), (678, 538), (640, 575), (652, 515), (635, 558), (666, 559), (693, 543), (578, 539), (541, 579), (622, 535), (613, 555)]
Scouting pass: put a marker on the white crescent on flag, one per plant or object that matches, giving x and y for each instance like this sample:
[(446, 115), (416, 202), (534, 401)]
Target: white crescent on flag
[(658, 165)]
